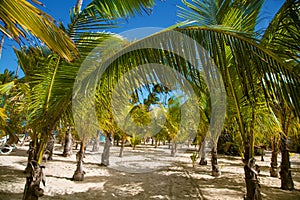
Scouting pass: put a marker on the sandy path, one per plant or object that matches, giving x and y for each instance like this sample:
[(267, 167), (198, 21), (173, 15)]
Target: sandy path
[(157, 176)]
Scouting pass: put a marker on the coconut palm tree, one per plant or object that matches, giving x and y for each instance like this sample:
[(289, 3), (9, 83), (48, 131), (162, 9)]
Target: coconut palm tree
[(245, 65), (282, 37), (51, 78), (236, 54)]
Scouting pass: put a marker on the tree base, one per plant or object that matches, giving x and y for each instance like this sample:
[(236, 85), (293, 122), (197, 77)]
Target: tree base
[(286, 180), (78, 176), (274, 172), (216, 173), (203, 162)]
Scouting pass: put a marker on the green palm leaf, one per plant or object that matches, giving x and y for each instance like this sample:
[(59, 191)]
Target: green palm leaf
[(20, 18)]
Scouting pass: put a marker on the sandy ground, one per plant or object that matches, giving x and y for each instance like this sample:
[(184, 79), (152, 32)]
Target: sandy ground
[(144, 173)]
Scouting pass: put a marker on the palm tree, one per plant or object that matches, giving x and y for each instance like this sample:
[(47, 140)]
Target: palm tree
[(51, 79), (282, 37), (219, 42), (245, 66)]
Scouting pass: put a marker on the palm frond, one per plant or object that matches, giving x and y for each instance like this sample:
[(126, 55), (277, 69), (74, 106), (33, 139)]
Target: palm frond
[(236, 15), (252, 65), (19, 13), (282, 35)]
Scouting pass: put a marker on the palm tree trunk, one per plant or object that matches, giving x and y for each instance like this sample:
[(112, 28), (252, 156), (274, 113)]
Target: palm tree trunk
[(96, 145), (48, 153), (35, 172), (32, 189), (31, 154), (251, 173), (274, 163), (107, 145), (262, 152), (214, 162), (96, 142), (285, 168), (203, 160), (79, 173), (122, 147), (68, 143), (174, 148)]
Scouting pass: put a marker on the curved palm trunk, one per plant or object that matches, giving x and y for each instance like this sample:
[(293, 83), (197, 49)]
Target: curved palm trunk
[(79, 173), (107, 145), (68, 143), (285, 168)]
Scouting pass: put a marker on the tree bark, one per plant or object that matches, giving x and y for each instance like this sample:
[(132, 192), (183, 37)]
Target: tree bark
[(285, 168), (96, 144), (34, 171), (203, 160), (68, 143), (251, 173), (252, 183), (262, 152), (107, 145), (122, 147), (31, 156), (174, 148), (48, 152), (79, 173), (214, 162), (32, 189), (274, 163)]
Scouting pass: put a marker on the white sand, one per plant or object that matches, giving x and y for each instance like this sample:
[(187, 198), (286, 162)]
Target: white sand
[(144, 173)]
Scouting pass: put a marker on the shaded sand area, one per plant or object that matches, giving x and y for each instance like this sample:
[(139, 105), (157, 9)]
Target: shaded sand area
[(144, 173)]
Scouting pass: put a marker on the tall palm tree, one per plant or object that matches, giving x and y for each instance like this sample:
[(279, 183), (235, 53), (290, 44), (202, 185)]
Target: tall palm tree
[(219, 42), (51, 78), (245, 65), (282, 37), (239, 16)]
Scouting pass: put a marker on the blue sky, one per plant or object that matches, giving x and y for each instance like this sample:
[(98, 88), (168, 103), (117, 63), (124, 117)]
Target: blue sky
[(163, 15)]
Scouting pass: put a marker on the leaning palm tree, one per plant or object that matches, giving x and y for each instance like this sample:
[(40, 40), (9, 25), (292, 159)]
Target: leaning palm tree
[(282, 37), (245, 65), (51, 78)]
